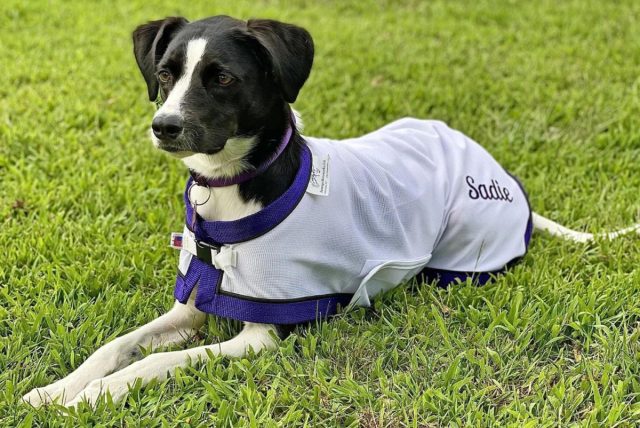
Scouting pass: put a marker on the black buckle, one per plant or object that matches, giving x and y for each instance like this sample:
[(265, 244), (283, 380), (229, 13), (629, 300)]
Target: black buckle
[(203, 251)]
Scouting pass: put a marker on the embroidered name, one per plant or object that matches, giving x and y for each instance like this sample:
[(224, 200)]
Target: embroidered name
[(491, 192)]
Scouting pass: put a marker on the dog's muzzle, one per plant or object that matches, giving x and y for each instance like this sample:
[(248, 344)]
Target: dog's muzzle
[(167, 127)]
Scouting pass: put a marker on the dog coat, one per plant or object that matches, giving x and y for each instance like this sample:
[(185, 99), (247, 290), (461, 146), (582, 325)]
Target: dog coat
[(362, 216)]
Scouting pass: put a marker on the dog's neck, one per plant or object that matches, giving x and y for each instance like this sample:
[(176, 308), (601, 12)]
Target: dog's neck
[(241, 154)]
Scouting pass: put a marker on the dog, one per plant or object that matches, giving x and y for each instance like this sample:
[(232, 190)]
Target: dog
[(282, 229)]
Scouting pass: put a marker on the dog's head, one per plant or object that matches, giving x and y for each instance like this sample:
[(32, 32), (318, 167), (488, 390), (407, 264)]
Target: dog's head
[(220, 79)]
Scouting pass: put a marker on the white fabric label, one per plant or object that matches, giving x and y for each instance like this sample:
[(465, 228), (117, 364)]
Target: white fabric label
[(185, 261), (319, 180), (187, 251)]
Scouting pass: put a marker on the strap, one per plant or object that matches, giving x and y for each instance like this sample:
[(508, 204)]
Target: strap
[(221, 257)]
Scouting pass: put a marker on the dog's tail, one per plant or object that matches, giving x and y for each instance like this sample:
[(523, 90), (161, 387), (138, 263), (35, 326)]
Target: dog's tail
[(555, 229)]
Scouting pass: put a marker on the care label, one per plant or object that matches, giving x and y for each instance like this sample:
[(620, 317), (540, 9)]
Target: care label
[(319, 180)]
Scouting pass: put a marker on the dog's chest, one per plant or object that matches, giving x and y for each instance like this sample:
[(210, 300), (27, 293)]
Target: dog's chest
[(221, 203)]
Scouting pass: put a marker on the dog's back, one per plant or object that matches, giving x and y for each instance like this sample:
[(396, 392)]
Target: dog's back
[(446, 191)]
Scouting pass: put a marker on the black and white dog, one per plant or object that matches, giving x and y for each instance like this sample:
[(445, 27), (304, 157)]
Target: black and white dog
[(282, 229)]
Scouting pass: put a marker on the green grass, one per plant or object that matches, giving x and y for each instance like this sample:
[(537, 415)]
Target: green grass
[(86, 205)]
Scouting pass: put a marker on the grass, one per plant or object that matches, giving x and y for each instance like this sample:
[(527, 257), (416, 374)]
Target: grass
[(86, 205)]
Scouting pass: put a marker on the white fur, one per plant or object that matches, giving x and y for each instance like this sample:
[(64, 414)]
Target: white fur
[(174, 327), (160, 366), (555, 229), (228, 162), (222, 203), (172, 105), (298, 118), (110, 369)]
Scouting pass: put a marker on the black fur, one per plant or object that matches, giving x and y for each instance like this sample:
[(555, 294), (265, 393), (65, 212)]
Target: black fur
[(284, 330), (289, 51), (150, 41)]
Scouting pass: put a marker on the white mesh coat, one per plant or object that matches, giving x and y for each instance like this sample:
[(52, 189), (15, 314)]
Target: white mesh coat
[(414, 194)]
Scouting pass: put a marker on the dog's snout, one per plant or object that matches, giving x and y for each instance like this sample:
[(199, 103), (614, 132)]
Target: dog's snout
[(167, 127)]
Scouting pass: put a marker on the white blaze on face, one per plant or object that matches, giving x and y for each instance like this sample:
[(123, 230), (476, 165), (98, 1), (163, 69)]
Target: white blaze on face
[(195, 50)]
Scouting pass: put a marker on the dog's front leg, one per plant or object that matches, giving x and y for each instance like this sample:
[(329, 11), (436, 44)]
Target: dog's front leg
[(174, 327), (161, 365)]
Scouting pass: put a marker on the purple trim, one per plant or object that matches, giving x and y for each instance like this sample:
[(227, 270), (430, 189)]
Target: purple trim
[(286, 312), (199, 273), (246, 228), (201, 180), (210, 299), (528, 232)]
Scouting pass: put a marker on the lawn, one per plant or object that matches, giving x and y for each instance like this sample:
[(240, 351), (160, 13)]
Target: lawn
[(552, 89)]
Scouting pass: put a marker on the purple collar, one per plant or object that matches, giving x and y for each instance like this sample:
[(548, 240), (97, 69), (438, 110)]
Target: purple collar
[(254, 225), (246, 175)]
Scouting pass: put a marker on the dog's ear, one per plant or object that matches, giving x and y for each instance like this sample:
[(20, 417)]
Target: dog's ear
[(289, 53), (150, 41)]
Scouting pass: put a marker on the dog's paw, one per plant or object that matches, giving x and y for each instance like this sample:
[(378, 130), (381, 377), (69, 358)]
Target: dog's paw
[(56, 392), (95, 389)]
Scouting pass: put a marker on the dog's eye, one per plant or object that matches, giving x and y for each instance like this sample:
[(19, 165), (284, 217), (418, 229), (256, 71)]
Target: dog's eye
[(164, 76), (224, 79)]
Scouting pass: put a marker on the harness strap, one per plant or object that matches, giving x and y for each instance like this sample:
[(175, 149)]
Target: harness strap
[(221, 257)]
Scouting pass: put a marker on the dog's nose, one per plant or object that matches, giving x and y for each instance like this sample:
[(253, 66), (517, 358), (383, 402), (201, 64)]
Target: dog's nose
[(167, 127)]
